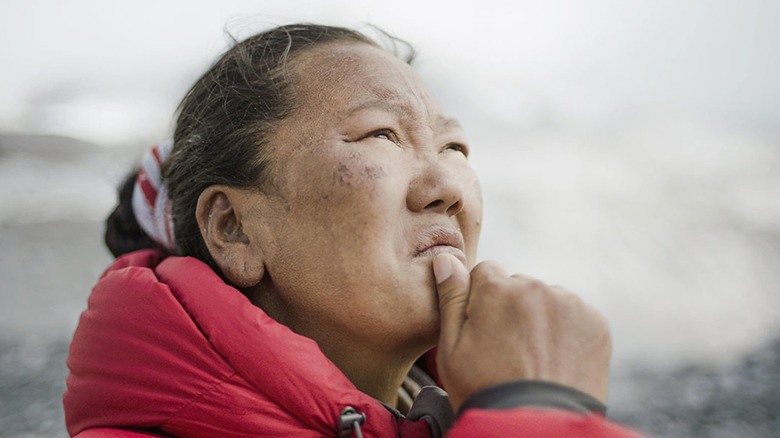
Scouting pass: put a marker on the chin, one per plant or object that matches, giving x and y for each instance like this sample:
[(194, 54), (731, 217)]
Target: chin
[(426, 333)]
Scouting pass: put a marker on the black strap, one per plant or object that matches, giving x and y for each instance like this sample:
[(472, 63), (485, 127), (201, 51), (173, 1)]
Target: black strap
[(533, 393)]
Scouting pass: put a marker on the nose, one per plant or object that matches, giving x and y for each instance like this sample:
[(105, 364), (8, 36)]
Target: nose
[(437, 189)]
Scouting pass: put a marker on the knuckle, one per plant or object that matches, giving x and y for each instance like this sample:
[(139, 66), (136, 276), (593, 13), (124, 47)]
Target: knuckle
[(576, 302), (486, 275), (599, 327), (494, 285), (531, 289), (487, 268), (565, 294), (536, 286), (571, 301)]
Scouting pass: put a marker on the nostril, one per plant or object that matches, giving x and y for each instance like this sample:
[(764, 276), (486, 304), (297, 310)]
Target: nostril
[(435, 204), (454, 208), (441, 206)]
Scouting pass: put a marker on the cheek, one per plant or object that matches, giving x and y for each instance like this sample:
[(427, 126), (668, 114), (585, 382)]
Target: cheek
[(471, 218), (350, 192), (354, 175), (477, 199), (335, 222), (355, 182)]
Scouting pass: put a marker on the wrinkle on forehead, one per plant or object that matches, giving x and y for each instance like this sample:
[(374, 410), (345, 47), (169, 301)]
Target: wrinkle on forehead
[(337, 70)]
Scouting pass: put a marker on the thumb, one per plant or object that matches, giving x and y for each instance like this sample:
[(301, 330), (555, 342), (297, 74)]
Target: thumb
[(452, 286)]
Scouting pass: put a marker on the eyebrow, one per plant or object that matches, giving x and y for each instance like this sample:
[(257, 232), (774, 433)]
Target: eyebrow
[(400, 110), (379, 104), (450, 123)]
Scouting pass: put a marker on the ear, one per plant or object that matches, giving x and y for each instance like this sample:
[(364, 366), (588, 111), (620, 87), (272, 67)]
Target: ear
[(220, 213)]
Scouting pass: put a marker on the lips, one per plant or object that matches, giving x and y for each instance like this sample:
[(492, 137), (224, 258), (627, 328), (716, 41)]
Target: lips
[(440, 240)]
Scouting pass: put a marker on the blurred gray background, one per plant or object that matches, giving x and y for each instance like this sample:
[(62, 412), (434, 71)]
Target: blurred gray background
[(629, 150)]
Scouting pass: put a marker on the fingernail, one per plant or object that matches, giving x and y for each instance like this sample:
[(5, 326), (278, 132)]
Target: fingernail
[(442, 268)]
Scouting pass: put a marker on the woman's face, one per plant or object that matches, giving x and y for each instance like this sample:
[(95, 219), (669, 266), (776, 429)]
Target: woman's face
[(369, 182)]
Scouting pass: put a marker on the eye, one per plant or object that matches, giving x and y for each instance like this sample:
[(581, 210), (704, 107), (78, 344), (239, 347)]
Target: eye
[(384, 134), (457, 147)]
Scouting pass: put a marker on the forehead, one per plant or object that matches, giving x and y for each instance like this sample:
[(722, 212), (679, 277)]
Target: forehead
[(348, 77)]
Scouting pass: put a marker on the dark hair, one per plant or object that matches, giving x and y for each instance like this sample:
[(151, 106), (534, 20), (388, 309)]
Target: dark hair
[(224, 123), (123, 234)]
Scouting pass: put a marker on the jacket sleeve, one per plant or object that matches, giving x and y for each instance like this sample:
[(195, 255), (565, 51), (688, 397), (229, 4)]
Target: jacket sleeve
[(534, 409)]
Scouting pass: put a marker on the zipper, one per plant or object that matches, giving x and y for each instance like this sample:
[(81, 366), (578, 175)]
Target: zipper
[(349, 422)]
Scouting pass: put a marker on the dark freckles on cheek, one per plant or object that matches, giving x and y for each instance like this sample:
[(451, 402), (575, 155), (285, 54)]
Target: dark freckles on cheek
[(343, 175), (373, 172), (353, 179), (356, 172), (367, 170), (351, 176)]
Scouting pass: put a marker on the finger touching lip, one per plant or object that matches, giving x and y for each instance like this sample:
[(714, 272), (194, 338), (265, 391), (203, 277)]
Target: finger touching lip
[(440, 240), (433, 251)]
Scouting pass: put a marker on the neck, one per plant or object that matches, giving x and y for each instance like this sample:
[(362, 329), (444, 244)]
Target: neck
[(375, 368), (378, 378)]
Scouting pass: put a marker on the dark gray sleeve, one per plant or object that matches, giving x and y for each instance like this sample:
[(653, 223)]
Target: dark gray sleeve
[(533, 393)]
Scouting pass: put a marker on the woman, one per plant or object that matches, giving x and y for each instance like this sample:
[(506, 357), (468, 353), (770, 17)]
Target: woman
[(329, 219)]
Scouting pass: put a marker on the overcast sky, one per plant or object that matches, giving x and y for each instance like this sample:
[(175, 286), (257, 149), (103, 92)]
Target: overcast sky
[(634, 143), (112, 72)]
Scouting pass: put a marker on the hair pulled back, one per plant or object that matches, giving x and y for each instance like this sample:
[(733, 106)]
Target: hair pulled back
[(224, 124)]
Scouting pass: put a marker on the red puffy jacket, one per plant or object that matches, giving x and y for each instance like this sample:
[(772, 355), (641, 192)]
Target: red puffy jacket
[(165, 347)]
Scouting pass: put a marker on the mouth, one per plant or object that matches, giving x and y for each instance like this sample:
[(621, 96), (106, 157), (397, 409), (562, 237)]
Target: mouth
[(439, 240)]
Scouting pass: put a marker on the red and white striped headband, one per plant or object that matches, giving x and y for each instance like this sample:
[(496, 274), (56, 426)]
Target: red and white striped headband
[(151, 204)]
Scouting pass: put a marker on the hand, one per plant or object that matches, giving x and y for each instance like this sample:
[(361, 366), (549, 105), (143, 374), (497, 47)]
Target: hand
[(497, 328)]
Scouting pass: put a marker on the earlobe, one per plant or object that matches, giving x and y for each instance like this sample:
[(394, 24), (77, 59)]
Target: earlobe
[(221, 221)]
